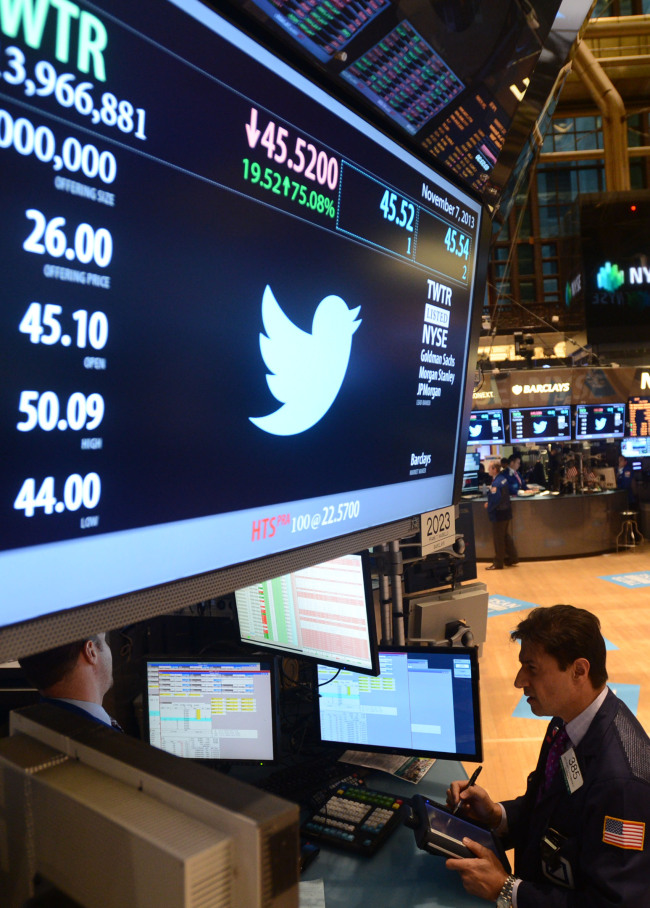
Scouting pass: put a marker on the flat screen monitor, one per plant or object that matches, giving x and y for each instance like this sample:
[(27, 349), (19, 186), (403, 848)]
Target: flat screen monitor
[(534, 424), (213, 708), (614, 231), (470, 473), (636, 447), (425, 702), (599, 421), (638, 417), (486, 427), (325, 612), (225, 294)]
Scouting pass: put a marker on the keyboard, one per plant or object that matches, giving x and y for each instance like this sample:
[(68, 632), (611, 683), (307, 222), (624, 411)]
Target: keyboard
[(357, 819), (311, 783)]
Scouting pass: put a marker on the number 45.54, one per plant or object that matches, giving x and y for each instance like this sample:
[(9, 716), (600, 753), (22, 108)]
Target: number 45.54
[(41, 323)]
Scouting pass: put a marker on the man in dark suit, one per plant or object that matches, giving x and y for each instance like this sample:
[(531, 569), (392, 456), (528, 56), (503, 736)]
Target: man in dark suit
[(75, 676), (579, 831)]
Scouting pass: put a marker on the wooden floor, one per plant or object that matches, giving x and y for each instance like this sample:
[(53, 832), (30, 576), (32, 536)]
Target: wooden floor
[(511, 745)]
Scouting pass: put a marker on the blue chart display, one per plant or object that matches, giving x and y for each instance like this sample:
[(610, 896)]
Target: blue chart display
[(217, 284), (540, 424), (424, 702), (600, 421), (486, 427)]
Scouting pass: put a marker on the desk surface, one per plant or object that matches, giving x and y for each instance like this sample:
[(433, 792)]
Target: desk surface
[(399, 873)]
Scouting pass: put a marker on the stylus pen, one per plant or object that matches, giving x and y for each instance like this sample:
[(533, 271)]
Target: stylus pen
[(472, 780)]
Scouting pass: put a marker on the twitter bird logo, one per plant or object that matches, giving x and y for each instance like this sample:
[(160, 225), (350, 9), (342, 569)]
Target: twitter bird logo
[(475, 431), (307, 369), (538, 427), (601, 422)]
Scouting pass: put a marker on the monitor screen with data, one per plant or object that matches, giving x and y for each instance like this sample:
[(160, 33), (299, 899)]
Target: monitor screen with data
[(486, 427), (212, 709), (535, 424), (595, 421), (425, 702), (638, 421), (237, 316), (325, 613)]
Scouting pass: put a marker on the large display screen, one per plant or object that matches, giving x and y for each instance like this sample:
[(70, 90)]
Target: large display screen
[(600, 421), (486, 427), (425, 702), (325, 612), (214, 709), (236, 316), (530, 424), (615, 247), (638, 417)]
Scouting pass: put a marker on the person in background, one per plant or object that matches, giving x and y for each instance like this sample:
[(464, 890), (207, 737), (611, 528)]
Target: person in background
[(555, 467), (579, 831), (625, 479), (75, 677), (500, 515), (515, 483)]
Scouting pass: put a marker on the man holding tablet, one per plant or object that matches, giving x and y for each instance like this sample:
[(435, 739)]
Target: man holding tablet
[(579, 831)]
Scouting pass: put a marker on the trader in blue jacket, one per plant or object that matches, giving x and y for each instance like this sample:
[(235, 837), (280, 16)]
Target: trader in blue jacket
[(515, 482), (579, 831), (500, 517)]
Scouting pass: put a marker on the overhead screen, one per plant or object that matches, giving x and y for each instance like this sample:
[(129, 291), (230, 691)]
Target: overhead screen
[(600, 421), (425, 702), (325, 612), (531, 424), (237, 316), (486, 427), (408, 64)]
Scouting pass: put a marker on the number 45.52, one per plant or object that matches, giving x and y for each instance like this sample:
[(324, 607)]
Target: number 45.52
[(41, 323)]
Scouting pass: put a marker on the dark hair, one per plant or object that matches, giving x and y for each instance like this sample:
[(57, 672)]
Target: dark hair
[(45, 669), (514, 457), (566, 633)]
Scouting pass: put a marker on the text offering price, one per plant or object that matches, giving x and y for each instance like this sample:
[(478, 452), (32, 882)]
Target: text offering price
[(437, 530), (85, 244), (44, 411), (56, 497), (294, 153)]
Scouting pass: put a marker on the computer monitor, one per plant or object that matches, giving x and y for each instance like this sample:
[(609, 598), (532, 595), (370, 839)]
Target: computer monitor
[(425, 702), (212, 709), (595, 421), (470, 473), (535, 424), (638, 417), (636, 447), (324, 613), (486, 427)]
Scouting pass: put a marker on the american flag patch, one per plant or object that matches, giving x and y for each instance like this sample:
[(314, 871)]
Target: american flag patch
[(624, 833)]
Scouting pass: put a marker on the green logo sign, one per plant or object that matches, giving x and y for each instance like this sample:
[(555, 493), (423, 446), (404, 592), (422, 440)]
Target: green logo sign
[(610, 277)]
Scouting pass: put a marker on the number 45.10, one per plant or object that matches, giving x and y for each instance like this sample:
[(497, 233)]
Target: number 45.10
[(42, 325)]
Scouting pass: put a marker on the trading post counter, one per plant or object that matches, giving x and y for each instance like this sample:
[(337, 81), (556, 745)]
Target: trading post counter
[(555, 526), (399, 873)]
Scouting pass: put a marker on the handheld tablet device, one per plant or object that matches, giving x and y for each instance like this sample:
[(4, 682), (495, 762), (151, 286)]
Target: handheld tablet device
[(438, 831)]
